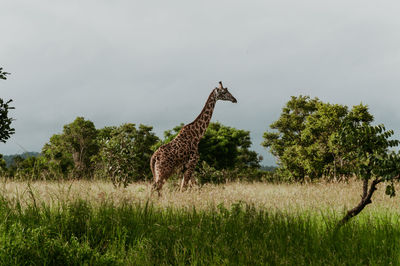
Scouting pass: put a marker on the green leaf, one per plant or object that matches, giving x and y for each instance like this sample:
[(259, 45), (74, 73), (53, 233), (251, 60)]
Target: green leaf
[(390, 190)]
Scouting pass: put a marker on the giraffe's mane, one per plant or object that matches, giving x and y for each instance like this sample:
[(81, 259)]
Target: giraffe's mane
[(205, 106)]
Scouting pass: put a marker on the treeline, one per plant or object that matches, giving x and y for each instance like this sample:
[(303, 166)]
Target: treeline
[(122, 154), (10, 159), (310, 140)]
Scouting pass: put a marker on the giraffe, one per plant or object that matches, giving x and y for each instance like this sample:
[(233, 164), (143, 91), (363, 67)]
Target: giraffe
[(182, 151)]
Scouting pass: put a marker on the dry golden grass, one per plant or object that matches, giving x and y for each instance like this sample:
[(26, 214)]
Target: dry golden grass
[(280, 197)]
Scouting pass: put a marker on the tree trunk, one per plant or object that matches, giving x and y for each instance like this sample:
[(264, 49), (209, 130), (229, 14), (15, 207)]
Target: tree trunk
[(365, 200)]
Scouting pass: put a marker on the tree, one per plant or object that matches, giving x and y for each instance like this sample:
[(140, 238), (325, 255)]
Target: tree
[(368, 150), (74, 148), (126, 151), (316, 139), (303, 140), (223, 147), (319, 153), (80, 139), (285, 144), (58, 159), (5, 122)]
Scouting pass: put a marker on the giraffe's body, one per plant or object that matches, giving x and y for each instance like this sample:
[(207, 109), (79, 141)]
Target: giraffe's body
[(182, 151)]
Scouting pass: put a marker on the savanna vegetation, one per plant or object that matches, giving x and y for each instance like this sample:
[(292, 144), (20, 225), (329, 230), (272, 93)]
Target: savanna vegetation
[(91, 222), (85, 198)]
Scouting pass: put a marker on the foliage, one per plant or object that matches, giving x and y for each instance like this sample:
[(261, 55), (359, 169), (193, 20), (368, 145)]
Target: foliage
[(304, 139), (122, 153), (10, 158), (125, 153), (223, 147), (368, 151), (59, 161), (226, 147), (3, 74), (368, 148), (5, 122), (104, 134), (3, 165), (80, 139), (208, 174), (29, 168), (72, 150)]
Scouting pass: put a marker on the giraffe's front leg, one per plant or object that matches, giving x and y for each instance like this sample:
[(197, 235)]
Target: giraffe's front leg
[(190, 165)]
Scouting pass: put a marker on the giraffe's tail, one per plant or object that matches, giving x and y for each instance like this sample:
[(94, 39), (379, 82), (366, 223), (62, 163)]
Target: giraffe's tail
[(155, 185)]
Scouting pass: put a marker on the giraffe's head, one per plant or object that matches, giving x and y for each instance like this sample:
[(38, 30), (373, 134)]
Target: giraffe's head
[(223, 94)]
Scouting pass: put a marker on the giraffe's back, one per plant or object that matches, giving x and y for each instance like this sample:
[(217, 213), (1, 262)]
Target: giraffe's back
[(174, 153)]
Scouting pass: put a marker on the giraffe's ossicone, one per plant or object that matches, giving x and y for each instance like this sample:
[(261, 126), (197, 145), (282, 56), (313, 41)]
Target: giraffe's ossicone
[(182, 151)]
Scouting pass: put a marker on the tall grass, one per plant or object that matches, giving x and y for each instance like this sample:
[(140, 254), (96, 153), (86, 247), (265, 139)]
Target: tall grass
[(81, 232), (317, 197)]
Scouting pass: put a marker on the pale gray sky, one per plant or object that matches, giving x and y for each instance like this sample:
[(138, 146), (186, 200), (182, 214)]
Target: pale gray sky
[(155, 62)]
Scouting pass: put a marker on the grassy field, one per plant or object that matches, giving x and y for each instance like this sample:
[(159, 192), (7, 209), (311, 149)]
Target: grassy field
[(273, 197), (80, 222)]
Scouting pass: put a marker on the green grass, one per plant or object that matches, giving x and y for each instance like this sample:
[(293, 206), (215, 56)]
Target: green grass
[(80, 233)]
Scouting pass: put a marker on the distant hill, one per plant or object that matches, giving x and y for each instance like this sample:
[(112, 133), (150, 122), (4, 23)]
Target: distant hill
[(268, 168), (9, 158)]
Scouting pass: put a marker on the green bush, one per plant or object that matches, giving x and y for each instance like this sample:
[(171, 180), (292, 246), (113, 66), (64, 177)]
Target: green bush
[(125, 155)]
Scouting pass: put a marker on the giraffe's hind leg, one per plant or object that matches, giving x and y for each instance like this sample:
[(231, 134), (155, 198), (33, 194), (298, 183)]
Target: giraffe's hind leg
[(190, 165), (156, 186), (161, 174)]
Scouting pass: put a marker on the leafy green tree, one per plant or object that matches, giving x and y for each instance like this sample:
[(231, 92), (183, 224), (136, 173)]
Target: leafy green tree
[(58, 159), (73, 149), (126, 151), (223, 147), (369, 151), (5, 122), (318, 154), (104, 134), (80, 139), (304, 139), (285, 142)]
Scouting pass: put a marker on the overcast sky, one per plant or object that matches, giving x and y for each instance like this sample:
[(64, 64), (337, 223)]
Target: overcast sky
[(155, 62)]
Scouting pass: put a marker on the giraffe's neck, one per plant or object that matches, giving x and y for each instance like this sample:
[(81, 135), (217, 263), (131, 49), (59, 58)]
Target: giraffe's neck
[(200, 124)]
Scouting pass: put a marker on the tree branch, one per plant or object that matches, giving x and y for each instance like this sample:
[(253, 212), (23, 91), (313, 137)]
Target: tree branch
[(365, 200)]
